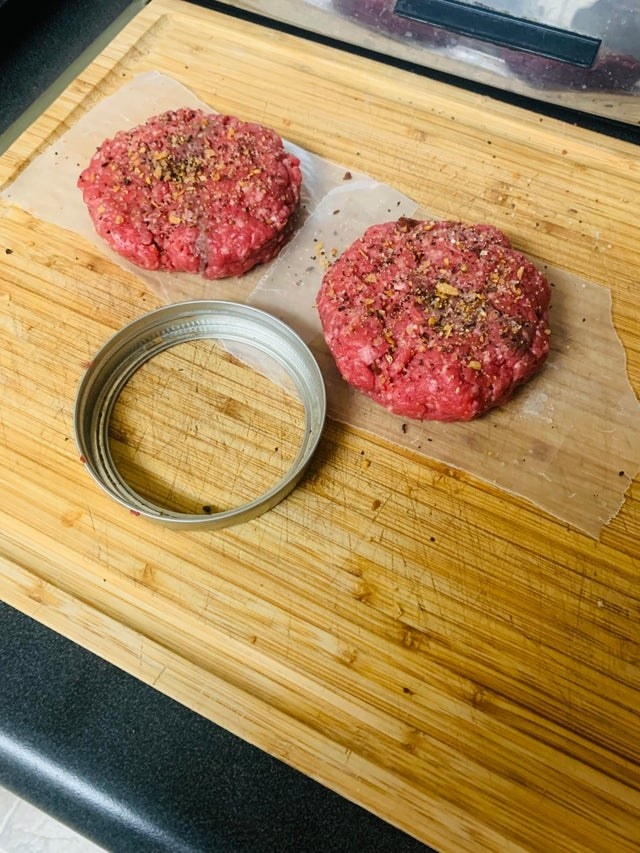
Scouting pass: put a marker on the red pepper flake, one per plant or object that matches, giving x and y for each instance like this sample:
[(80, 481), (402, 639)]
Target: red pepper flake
[(347, 176)]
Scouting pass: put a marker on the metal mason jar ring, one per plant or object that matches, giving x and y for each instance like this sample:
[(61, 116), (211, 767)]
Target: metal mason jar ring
[(138, 342)]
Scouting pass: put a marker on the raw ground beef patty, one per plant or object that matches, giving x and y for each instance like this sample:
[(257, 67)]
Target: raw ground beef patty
[(435, 320), (379, 15), (189, 191)]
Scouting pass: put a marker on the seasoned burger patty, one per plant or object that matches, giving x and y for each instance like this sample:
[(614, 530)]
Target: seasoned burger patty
[(193, 192), (435, 320)]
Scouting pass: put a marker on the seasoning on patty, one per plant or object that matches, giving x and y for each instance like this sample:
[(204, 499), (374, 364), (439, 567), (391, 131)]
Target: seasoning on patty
[(189, 191), (435, 320)]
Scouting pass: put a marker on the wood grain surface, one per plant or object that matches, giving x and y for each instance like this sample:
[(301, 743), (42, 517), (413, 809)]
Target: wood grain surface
[(446, 655)]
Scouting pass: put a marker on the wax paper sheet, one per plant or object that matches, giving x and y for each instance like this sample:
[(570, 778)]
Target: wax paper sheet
[(58, 167), (567, 442)]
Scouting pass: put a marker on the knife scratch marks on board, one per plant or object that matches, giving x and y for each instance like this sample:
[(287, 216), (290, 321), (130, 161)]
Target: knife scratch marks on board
[(580, 600), (158, 676), (13, 326), (378, 506), (437, 601)]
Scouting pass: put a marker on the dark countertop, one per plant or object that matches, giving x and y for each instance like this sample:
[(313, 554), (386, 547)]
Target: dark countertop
[(133, 770), (99, 750), (36, 49)]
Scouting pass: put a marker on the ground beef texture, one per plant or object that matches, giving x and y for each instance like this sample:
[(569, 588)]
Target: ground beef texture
[(379, 15), (611, 72), (190, 191), (435, 320)]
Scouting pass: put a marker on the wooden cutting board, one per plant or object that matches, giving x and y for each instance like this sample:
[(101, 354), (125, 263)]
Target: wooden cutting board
[(448, 656)]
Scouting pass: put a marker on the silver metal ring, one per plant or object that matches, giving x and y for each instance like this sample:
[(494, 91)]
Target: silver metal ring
[(122, 355)]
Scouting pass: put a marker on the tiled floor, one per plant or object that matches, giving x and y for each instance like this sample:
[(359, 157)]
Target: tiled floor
[(24, 829)]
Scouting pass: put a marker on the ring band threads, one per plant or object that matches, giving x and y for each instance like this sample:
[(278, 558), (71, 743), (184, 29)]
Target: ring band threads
[(138, 342)]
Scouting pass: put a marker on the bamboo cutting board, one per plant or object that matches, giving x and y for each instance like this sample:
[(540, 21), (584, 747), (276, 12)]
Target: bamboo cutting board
[(446, 655)]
